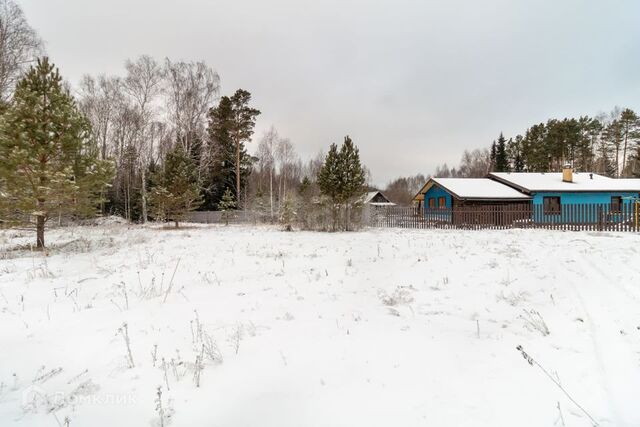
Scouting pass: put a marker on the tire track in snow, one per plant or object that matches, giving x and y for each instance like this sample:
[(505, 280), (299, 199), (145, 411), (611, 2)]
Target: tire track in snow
[(603, 301), (558, 268)]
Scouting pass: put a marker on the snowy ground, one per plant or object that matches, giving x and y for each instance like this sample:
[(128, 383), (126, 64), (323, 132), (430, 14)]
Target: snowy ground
[(377, 328)]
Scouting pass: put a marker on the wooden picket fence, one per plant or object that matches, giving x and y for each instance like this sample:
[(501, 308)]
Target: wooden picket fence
[(596, 217)]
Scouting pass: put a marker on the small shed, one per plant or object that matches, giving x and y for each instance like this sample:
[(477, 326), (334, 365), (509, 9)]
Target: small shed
[(376, 198)]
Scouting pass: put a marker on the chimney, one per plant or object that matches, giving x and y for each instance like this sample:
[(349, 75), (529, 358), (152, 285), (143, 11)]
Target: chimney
[(567, 173)]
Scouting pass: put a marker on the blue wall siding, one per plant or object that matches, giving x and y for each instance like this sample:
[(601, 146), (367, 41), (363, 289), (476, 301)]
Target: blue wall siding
[(567, 199), (582, 198), (579, 198), (434, 193)]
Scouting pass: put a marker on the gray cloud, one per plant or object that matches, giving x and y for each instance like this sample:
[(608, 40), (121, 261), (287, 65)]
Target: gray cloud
[(413, 82)]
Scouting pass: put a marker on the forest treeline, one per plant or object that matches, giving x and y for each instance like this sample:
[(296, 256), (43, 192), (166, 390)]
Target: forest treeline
[(155, 142), (159, 111), (608, 144)]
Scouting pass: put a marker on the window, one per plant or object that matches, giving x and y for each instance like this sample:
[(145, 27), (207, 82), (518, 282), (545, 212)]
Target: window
[(442, 202), (616, 203), (552, 206), (432, 203)]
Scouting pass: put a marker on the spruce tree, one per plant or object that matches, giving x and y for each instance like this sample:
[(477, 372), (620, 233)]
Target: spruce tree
[(492, 158), (221, 171), (176, 191), (502, 161), (514, 151), (49, 161), (306, 208), (227, 205)]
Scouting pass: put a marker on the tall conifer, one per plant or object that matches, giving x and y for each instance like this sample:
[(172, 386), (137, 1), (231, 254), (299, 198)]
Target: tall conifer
[(50, 163), (502, 161)]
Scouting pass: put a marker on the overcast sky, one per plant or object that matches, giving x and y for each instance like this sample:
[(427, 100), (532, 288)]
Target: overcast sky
[(414, 83)]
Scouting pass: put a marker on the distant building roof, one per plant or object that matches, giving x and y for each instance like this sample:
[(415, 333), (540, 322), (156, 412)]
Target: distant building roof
[(377, 198), (552, 182), (478, 189)]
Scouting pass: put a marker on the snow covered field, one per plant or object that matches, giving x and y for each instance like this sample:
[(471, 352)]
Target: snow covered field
[(377, 328)]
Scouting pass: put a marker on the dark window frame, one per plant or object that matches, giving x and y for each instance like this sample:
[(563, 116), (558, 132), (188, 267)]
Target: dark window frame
[(552, 205), (616, 204), (442, 202), (432, 202)]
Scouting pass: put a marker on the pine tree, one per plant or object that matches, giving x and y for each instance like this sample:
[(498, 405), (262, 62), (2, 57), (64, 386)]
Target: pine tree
[(630, 126), (176, 191), (221, 171), (231, 124), (613, 136), (605, 164), (329, 181), (49, 162), (227, 205), (342, 179), (242, 125), (589, 130), (352, 177)]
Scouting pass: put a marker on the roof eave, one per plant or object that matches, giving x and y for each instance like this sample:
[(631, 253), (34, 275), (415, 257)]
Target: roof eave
[(579, 190), (497, 199), (509, 183)]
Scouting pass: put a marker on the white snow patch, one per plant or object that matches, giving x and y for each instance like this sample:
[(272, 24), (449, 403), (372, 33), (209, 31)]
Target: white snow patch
[(378, 328)]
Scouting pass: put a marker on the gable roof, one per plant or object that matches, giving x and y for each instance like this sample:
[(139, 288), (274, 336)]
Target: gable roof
[(552, 182), (477, 189), (372, 194)]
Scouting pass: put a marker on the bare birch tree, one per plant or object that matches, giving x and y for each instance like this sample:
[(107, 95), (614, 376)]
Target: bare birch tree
[(266, 160), (99, 99), (143, 85), (285, 156), (19, 46), (192, 87)]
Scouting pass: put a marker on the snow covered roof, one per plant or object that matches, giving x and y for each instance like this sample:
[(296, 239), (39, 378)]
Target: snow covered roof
[(552, 181), (479, 189), (372, 194)]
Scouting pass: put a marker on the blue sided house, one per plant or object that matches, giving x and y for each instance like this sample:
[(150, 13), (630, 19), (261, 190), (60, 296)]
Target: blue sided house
[(452, 200), (550, 197), (556, 196), (449, 193)]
